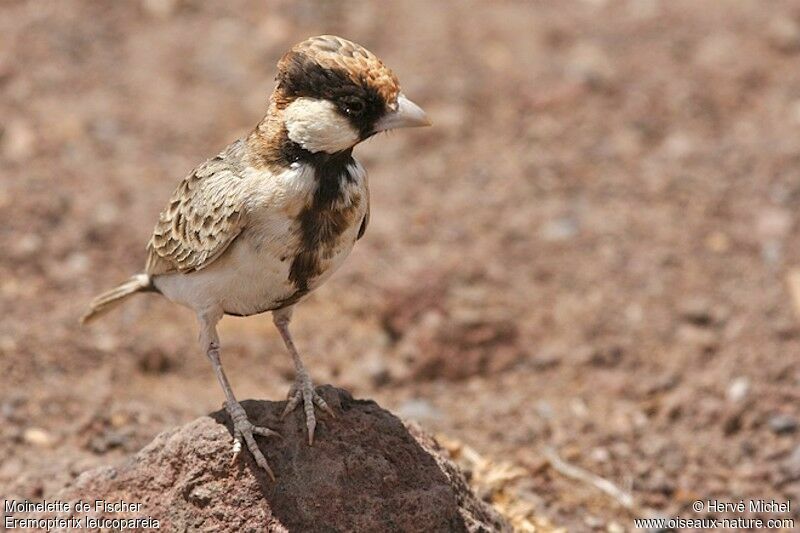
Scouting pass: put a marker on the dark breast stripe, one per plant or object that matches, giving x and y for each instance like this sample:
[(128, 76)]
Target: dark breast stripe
[(321, 222)]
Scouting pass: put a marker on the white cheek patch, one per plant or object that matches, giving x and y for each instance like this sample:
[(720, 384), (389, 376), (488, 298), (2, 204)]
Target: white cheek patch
[(317, 126)]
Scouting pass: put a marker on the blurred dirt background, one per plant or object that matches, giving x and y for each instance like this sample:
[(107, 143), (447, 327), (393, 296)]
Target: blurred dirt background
[(593, 250)]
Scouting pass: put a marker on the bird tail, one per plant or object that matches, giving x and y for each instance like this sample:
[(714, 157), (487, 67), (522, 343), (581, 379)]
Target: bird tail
[(110, 299)]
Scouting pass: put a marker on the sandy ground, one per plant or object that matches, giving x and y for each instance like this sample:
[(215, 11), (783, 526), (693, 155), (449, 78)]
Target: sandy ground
[(589, 252)]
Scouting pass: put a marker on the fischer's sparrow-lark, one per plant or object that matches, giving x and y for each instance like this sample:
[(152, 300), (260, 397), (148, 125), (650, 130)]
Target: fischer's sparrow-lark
[(269, 219)]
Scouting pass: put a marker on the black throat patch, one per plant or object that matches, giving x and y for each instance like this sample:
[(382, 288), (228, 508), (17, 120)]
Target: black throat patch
[(323, 221)]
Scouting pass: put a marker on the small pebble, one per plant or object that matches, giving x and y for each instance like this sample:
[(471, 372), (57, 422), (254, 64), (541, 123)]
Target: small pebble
[(697, 311), (119, 420), (105, 342), (201, 495), (37, 437), (600, 455), (593, 522), (614, 527), (738, 389), (27, 245), (782, 424)]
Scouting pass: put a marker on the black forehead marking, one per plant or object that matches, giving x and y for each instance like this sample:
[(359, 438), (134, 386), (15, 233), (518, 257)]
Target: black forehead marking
[(303, 76)]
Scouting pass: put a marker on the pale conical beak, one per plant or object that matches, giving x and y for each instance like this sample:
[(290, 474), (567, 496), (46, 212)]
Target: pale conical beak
[(407, 115)]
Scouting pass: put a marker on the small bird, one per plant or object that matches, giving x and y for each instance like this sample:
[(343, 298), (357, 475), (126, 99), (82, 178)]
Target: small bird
[(269, 219)]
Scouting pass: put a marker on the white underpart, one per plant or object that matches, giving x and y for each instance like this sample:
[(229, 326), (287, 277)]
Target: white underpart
[(318, 126), (253, 273)]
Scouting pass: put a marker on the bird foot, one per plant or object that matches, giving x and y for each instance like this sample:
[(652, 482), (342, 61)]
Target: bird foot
[(303, 390), (243, 429)]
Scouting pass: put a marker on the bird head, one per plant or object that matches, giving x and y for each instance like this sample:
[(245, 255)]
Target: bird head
[(333, 94)]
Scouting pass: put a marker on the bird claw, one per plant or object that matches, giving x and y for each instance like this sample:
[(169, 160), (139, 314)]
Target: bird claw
[(243, 429), (303, 390)]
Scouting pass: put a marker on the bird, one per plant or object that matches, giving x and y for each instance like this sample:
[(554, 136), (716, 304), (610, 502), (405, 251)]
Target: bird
[(258, 227)]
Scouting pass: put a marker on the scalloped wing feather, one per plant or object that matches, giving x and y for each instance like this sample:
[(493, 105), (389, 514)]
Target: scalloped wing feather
[(204, 215)]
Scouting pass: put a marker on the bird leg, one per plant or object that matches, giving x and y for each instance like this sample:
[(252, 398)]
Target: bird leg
[(242, 427), (302, 388)]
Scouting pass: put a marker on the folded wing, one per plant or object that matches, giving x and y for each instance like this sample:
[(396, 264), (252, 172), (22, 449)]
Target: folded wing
[(204, 216)]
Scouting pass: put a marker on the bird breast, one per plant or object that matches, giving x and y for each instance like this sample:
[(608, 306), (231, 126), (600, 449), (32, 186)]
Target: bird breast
[(298, 234)]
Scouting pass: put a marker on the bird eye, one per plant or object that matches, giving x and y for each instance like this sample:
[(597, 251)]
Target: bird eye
[(353, 106)]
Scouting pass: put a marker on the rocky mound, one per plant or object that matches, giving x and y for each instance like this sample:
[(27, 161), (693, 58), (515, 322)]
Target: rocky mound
[(367, 471)]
